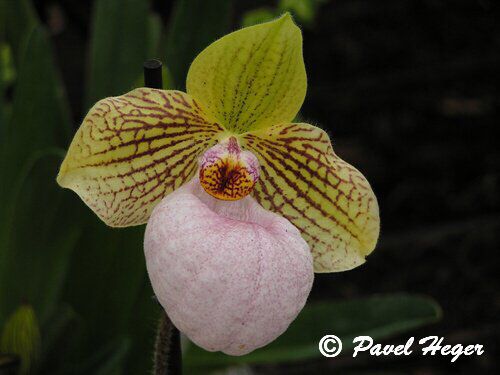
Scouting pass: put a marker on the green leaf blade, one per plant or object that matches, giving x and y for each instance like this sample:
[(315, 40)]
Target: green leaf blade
[(119, 46), (194, 25), (39, 124)]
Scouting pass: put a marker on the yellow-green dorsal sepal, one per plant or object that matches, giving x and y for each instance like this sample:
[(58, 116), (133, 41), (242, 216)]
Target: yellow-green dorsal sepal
[(252, 78)]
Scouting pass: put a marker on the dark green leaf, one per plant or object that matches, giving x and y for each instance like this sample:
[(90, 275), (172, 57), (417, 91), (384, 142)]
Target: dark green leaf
[(194, 25), (106, 285), (259, 15), (143, 323), (20, 19), (154, 34), (40, 115), (114, 363), (37, 239), (3, 116), (106, 360), (119, 46), (33, 252), (61, 335)]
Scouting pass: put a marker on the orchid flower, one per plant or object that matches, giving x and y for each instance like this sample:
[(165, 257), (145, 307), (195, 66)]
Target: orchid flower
[(244, 205)]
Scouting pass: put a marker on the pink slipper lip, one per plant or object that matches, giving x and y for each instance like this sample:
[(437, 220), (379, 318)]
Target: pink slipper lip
[(231, 275)]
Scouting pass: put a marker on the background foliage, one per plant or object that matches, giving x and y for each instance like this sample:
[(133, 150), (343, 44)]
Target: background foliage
[(406, 90)]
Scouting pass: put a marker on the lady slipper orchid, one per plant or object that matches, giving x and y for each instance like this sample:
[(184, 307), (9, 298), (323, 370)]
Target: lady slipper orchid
[(243, 204)]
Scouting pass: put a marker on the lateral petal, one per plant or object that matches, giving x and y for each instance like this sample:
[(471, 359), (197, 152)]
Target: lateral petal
[(329, 200), (134, 149)]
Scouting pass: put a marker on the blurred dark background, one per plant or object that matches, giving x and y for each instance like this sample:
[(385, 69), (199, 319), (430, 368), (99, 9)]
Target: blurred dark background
[(409, 91)]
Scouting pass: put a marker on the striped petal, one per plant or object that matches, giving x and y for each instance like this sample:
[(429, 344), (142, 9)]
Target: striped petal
[(252, 78), (326, 198), (132, 150)]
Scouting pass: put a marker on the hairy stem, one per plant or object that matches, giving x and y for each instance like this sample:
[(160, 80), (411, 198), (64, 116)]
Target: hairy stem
[(167, 355)]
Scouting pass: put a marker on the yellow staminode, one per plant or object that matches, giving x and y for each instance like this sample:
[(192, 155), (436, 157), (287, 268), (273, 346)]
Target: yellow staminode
[(227, 180), (227, 172), (134, 149)]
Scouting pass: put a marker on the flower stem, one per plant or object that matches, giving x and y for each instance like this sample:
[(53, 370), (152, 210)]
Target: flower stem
[(168, 355)]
